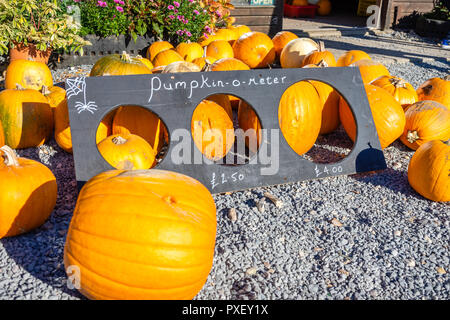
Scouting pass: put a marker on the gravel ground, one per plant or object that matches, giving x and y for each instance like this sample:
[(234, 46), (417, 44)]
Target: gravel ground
[(364, 236)]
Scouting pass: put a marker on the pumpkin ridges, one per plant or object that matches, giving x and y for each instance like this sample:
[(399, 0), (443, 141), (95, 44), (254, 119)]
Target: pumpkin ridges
[(352, 56), (321, 56), (402, 91), (157, 47), (281, 39), (435, 89), (219, 49), (116, 64), (248, 120), (370, 70), (166, 57), (329, 98), (255, 49), (2, 136)]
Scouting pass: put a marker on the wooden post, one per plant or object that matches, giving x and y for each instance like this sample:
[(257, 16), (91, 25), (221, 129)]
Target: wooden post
[(386, 10)]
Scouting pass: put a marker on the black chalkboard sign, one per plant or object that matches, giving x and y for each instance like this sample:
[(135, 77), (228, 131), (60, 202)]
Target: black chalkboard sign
[(173, 97)]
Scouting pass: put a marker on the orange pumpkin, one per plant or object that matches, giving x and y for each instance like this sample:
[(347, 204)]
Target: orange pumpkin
[(227, 34), (295, 51), (117, 65), (166, 57), (63, 136), (129, 152), (55, 95), (145, 61), (105, 126), (26, 116), (139, 121), (2, 135), (300, 116), (387, 113), (142, 235), (370, 70), (300, 2), (401, 90), (222, 100), (219, 49), (228, 64), (204, 62), (28, 74), (241, 30), (157, 47), (428, 171), (28, 194), (351, 57), (329, 99), (204, 41), (190, 51), (319, 56), (255, 49), (425, 121), (249, 122), (281, 39), (324, 8), (436, 89), (212, 130)]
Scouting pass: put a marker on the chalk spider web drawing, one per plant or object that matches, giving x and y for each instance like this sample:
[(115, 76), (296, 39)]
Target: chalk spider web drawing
[(76, 86)]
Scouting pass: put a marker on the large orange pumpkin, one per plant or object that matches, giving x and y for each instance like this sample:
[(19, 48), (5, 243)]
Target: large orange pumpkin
[(249, 122), (157, 47), (329, 99), (142, 235), (204, 41), (241, 30), (428, 171), (401, 90), (127, 152), (351, 57), (212, 130), (300, 116), (118, 65), (55, 95), (425, 121), (324, 7), (141, 122), (28, 194), (63, 136), (166, 57), (28, 74), (255, 49), (387, 113), (145, 61), (190, 51), (219, 49), (26, 116), (222, 100), (281, 39), (105, 126), (319, 56), (2, 135), (370, 70), (227, 34), (436, 89), (228, 64)]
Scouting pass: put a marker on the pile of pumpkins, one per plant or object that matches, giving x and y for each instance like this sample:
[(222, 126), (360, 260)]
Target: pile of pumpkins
[(324, 7), (150, 234)]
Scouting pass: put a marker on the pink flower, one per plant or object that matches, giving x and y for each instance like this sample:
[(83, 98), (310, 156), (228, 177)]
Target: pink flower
[(101, 4), (218, 13), (175, 11), (185, 21), (120, 9), (189, 34), (206, 36), (171, 17), (170, 7), (119, 2), (176, 4), (191, 1), (196, 12)]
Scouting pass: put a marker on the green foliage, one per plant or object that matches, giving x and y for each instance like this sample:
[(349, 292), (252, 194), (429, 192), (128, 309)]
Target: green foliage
[(439, 12), (40, 22)]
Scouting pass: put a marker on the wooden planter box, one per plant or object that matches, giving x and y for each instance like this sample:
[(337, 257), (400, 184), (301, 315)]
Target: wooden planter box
[(432, 28)]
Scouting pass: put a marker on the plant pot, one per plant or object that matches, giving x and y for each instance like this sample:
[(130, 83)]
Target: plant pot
[(20, 51), (432, 28)]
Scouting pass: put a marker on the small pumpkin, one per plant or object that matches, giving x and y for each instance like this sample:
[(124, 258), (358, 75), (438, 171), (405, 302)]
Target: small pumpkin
[(281, 39), (300, 116), (241, 30), (190, 51), (118, 65), (387, 113), (436, 89), (181, 66), (55, 95), (222, 100), (63, 136), (370, 70), (166, 57), (204, 62), (319, 56), (295, 51), (139, 121), (28, 74), (219, 49), (157, 47), (26, 116), (205, 40), (324, 8), (105, 126), (255, 49), (2, 135), (212, 130), (228, 64), (300, 2), (142, 234), (329, 99), (401, 90), (249, 122), (127, 152), (145, 61), (428, 170), (425, 121), (28, 196), (227, 34), (351, 57)]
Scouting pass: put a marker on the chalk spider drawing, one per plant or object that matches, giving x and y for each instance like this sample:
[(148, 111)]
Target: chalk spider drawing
[(75, 87)]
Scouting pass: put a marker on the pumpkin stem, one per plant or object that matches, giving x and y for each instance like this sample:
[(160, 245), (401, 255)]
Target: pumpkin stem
[(412, 136), (125, 56), (45, 91), (398, 82), (322, 64), (118, 140), (9, 156), (321, 46), (447, 77)]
